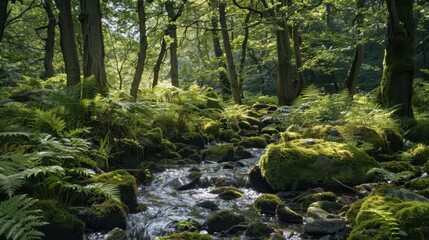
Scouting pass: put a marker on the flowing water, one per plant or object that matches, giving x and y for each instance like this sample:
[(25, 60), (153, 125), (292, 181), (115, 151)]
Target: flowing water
[(166, 205)]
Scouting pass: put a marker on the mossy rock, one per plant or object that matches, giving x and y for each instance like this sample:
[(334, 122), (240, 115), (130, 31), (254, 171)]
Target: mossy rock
[(243, 124), (189, 225), (188, 151), (185, 236), (125, 182), (424, 193), (420, 154), (228, 134), (117, 234), (257, 181), (219, 153), (227, 193), (397, 166), (62, 224), (393, 141), (212, 128), (193, 138), (419, 132), (308, 163), (328, 132), (258, 231), (107, 215), (154, 136), (419, 184), (361, 136), (285, 214), (329, 206), (426, 167), (269, 130), (222, 220), (306, 200), (242, 153), (267, 203), (254, 142), (387, 217), (289, 136)]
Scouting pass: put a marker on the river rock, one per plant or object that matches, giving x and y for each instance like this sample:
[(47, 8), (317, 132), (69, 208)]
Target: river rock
[(254, 142), (227, 193), (219, 153), (208, 204), (257, 182), (267, 203), (316, 213), (323, 226), (258, 231), (308, 163), (117, 234), (285, 214), (222, 220)]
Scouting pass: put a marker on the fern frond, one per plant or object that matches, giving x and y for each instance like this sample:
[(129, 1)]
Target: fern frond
[(14, 134), (108, 191), (18, 220), (85, 172), (57, 170), (10, 183)]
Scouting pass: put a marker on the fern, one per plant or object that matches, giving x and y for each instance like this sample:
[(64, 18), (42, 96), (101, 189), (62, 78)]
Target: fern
[(10, 183), (18, 220), (388, 218), (49, 122), (108, 191)]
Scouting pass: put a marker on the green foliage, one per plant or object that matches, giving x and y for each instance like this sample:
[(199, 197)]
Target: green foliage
[(316, 108), (18, 220)]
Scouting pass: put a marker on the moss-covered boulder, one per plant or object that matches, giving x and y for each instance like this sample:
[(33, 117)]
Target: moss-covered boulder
[(331, 207), (62, 224), (258, 231), (193, 138), (419, 183), (222, 220), (397, 166), (185, 236), (254, 142), (212, 128), (189, 225), (420, 154), (126, 184), (307, 163), (256, 181), (107, 215), (267, 203), (289, 136), (219, 153), (393, 141), (228, 134), (388, 217), (306, 200)]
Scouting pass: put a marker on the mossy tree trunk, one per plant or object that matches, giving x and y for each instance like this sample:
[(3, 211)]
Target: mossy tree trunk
[(228, 52), (142, 51), (93, 43), (158, 63), (398, 68), (68, 43)]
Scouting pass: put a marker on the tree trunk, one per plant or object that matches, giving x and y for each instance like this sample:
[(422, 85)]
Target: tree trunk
[(398, 68), (68, 43), (158, 63), (228, 52), (3, 16), (93, 44), (172, 32), (243, 52), (49, 41), (328, 16), (284, 83), (223, 78), (142, 52), (358, 57), (299, 79)]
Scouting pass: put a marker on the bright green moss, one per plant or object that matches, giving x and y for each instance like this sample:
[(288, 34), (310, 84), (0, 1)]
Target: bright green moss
[(254, 142), (267, 203), (420, 154), (306, 163), (398, 166), (382, 217), (228, 134), (289, 136), (212, 128)]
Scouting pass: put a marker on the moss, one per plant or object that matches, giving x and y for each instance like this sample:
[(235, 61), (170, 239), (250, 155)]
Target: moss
[(185, 236), (228, 193), (392, 141), (219, 153), (307, 163), (382, 217), (125, 182), (244, 125), (213, 128), (189, 225), (267, 203), (258, 230), (424, 193), (332, 207), (194, 176), (315, 197), (285, 214), (426, 167), (288, 136), (222, 220), (62, 224), (420, 131), (360, 135), (397, 166), (228, 134), (419, 183), (269, 130), (420, 154), (154, 135), (254, 142), (193, 138), (108, 215)]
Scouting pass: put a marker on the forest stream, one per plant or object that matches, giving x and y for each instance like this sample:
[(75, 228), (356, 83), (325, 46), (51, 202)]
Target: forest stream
[(167, 205)]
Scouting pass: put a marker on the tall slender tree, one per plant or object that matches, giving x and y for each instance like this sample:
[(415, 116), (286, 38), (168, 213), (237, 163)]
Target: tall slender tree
[(68, 43), (3, 16), (49, 40), (93, 43), (398, 68), (142, 51), (235, 89)]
